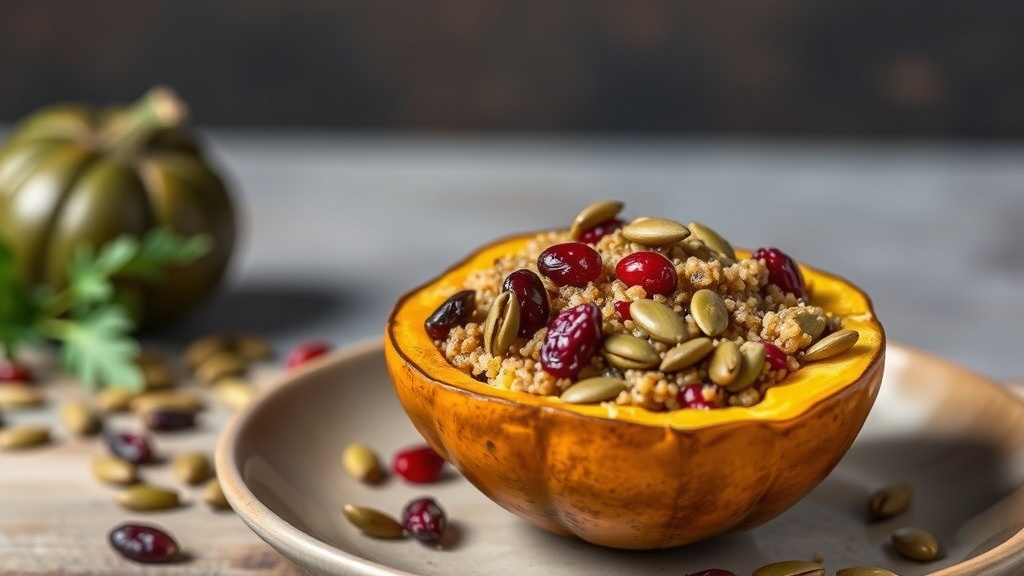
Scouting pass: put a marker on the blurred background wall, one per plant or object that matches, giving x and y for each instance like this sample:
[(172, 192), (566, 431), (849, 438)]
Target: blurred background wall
[(871, 68)]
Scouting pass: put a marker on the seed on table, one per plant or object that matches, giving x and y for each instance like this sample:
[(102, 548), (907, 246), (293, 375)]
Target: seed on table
[(110, 400), (832, 345), (156, 372), (234, 393), (213, 495), (168, 419), (709, 312), (146, 497), (865, 571), (791, 568), (712, 239), (373, 522), (686, 354), (253, 348), (890, 501), (133, 447), (658, 320), (220, 365), (183, 400), (592, 390), (192, 467), (15, 397), (362, 463), (455, 311), (23, 436), (424, 520), (593, 215), (502, 324), (144, 543), (915, 544), (654, 231), (114, 470), (203, 348), (79, 418)]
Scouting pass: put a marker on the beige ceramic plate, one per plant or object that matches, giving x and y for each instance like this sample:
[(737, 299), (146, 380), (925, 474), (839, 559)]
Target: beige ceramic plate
[(957, 437)]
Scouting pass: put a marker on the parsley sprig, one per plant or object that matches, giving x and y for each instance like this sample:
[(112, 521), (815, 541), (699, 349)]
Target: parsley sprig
[(87, 317)]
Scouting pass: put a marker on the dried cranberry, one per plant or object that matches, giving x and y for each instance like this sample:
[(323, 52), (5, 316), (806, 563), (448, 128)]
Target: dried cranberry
[(712, 572), (305, 352), (130, 446), (622, 309), (775, 357), (424, 520), (144, 543), (418, 464), (592, 235), (455, 311), (573, 337), (12, 371), (570, 264), (782, 271), (532, 296), (650, 270), (169, 419), (692, 396)]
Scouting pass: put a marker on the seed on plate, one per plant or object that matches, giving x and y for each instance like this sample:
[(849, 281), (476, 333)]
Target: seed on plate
[(23, 436), (202, 348), (686, 354), (832, 345), (654, 231), (916, 544), (114, 399), (192, 467), (593, 215), (865, 571), (156, 372), (220, 365), (791, 568), (253, 348), (234, 393), (213, 495), (14, 397), (658, 320), (146, 497), (362, 463), (709, 312), (113, 470), (890, 501), (79, 418), (502, 324), (373, 522), (591, 390), (183, 400), (144, 543)]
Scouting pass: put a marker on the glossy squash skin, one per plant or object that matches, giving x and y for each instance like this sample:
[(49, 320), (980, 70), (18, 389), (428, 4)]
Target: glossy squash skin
[(72, 174), (630, 478)]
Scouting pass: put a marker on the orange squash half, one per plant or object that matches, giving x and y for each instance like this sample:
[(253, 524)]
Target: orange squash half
[(626, 477)]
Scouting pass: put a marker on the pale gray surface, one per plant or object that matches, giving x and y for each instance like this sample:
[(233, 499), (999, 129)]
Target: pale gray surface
[(338, 226)]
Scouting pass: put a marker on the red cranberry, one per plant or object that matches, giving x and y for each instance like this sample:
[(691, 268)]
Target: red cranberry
[(782, 271), (650, 270), (622, 309), (570, 264), (532, 296), (455, 311), (424, 520), (592, 235), (573, 337), (418, 464), (775, 357), (130, 446), (143, 543), (305, 352), (692, 396), (712, 572), (12, 371)]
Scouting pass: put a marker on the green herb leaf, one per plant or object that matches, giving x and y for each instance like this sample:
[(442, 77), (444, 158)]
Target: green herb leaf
[(161, 248), (98, 347), (89, 274)]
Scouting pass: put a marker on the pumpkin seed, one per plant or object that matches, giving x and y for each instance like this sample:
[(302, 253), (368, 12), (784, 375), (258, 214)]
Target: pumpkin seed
[(213, 495), (629, 352), (220, 365), (156, 372), (811, 323), (865, 571), (686, 354), (110, 469), (725, 363), (591, 390), (362, 463), (79, 419), (890, 501), (502, 324), (234, 392), (114, 399), (253, 348), (658, 320), (24, 436), (712, 239), (915, 544), (709, 312), (192, 468), (181, 400), (201, 349), (654, 231), (373, 522), (146, 497), (593, 215), (832, 345), (750, 368), (15, 396), (791, 568)]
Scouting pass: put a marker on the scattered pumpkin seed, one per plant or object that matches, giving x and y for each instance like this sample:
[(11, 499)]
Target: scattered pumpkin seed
[(915, 544), (712, 239), (147, 497), (654, 231), (593, 215), (629, 352), (110, 469), (156, 372), (79, 418), (234, 392), (591, 390), (202, 348), (183, 400), (220, 365), (791, 568), (890, 501), (253, 348), (502, 324), (865, 571), (14, 397), (686, 354), (709, 312), (373, 522), (23, 436), (832, 345), (750, 368), (213, 495), (362, 463), (658, 320), (192, 468), (725, 363), (114, 399)]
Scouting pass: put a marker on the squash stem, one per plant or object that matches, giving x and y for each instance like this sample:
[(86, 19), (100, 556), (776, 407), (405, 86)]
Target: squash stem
[(131, 127)]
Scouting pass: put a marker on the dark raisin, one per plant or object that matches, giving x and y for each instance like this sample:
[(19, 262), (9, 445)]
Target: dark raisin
[(455, 311)]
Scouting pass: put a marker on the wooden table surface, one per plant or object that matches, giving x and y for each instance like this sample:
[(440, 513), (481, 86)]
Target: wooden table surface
[(336, 227)]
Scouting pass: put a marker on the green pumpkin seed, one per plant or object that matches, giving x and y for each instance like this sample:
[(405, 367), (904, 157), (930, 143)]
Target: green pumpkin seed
[(15, 396), (712, 239), (220, 365), (146, 497), (865, 571), (362, 463), (213, 495), (791, 568), (709, 312), (24, 436), (373, 522), (750, 368), (115, 399), (654, 231), (890, 501), (253, 348), (180, 400), (79, 419), (192, 468), (915, 544), (629, 352), (502, 324), (658, 320), (156, 372), (593, 215), (203, 348), (233, 392), (686, 354), (113, 470), (832, 345), (811, 323), (725, 363), (591, 390)]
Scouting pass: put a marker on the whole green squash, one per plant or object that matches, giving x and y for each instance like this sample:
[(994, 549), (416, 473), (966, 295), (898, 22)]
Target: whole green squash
[(72, 174)]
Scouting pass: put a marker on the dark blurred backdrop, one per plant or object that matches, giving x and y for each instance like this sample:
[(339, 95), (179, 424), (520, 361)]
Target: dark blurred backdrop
[(918, 68)]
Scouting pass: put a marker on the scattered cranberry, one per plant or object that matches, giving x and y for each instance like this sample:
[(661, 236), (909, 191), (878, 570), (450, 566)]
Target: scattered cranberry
[(692, 396), (532, 296), (712, 572), (650, 270), (130, 446), (424, 520), (775, 357), (305, 352), (143, 543), (570, 264), (418, 464), (573, 337), (782, 271), (13, 371), (592, 235), (622, 309), (455, 311), (169, 419)]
